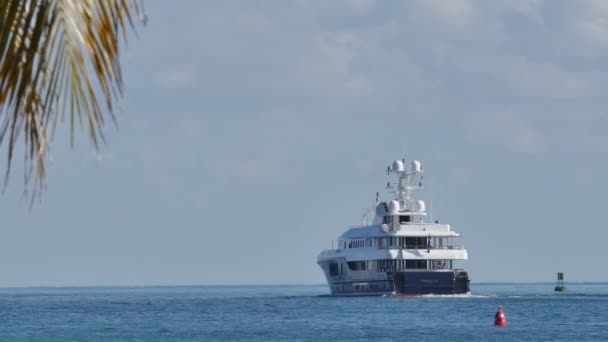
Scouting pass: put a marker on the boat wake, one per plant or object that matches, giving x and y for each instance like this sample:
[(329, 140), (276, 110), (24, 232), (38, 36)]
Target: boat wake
[(461, 295)]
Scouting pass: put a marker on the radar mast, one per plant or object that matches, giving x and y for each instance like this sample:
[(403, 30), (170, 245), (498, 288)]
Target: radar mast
[(408, 179)]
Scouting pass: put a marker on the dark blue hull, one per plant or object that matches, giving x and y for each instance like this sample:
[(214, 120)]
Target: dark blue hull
[(364, 288), (429, 282), (407, 283)]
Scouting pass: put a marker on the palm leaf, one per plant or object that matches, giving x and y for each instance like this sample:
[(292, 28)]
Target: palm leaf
[(58, 58)]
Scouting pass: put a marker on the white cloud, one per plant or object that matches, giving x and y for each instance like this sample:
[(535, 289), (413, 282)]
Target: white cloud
[(333, 61), (592, 24), (540, 79), (503, 129), (361, 6), (357, 7), (453, 14), (584, 28), (527, 7), (508, 74)]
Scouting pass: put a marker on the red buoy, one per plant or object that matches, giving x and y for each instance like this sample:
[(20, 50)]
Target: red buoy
[(500, 319)]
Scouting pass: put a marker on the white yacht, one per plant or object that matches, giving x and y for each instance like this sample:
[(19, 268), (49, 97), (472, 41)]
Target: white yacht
[(397, 252)]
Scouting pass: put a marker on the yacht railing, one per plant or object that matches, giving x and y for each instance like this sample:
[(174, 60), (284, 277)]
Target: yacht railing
[(449, 247), (458, 247), (410, 247)]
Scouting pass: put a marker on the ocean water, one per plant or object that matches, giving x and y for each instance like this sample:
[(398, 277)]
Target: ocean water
[(300, 313)]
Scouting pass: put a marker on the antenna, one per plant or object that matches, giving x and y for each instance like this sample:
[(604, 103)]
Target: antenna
[(377, 195), (409, 179)]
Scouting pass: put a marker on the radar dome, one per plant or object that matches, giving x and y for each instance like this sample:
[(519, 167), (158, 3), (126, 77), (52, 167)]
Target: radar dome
[(416, 166), (393, 207), (398, 166), (384, 227), (420, 206)]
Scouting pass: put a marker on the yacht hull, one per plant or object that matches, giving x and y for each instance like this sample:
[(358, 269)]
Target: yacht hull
[(406, 283), (397, 252), (429, 282)]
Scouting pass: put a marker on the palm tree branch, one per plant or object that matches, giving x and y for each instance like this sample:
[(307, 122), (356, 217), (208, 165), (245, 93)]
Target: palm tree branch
[(57, 58)]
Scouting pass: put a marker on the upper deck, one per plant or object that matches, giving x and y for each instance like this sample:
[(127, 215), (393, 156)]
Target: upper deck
[(422, 229), (398, 229)]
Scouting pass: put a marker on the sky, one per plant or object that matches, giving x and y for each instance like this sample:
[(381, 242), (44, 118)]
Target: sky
[(252, 134)]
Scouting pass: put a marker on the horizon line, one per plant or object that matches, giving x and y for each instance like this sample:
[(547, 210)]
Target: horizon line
[(599, 282)]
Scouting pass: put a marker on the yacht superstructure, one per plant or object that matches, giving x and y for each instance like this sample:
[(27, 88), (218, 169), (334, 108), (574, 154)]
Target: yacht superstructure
[(398, 252)]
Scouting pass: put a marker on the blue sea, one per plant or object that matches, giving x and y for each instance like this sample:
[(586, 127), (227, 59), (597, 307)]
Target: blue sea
[(300, 313)]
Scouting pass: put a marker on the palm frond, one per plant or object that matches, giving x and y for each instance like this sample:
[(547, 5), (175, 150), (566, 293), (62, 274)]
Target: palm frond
[(58, 58)]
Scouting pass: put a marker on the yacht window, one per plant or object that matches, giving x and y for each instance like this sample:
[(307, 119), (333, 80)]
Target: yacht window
[(415, 243), (439, 264), (333, 269), (357, 265), (415, 264), (404, 219)]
